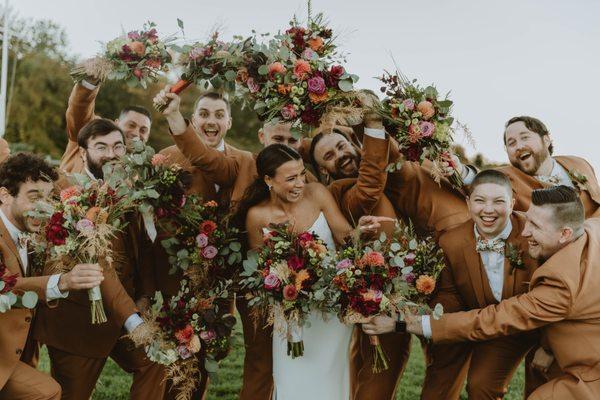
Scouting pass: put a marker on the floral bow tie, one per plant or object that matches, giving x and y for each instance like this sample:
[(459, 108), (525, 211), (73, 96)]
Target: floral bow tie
[(496, 245), (548, 179)]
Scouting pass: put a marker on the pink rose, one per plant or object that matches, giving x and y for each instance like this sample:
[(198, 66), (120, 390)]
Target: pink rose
[(184, 352), (316, 85), (308, 54), (426, 128), (84, 225), (196, 53), (426, 109), (409, 278), (288, 112), (306, 237), (272, 282), (344, 264), (202, 240), (409, 104), (209, 252), (301, 69), (295, 263), (409, 259), (207, 336), (133, 35), (252, 85), (159, 159)]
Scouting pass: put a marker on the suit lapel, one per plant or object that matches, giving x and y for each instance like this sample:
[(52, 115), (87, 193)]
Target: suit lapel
[(473, 263), (8, 244), (508, 289)]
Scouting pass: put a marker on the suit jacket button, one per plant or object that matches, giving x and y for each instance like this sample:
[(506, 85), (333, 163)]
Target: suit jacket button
[(19, 351), (27, 319)]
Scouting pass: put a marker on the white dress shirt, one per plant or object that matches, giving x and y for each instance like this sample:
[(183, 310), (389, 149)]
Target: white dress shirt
[(558, 176), (221, 148), (493, 262), (52, 291)]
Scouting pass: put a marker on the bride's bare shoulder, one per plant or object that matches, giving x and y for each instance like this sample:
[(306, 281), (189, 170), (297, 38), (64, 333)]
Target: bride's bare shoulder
[(315, 188), (257, 215)]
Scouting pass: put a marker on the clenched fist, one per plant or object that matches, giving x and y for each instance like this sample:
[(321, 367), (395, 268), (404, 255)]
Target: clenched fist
[(82, 276)]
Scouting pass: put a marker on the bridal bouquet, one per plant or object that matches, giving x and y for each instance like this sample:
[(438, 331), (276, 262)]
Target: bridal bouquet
[(419, 262), (190, 328), (419, 119), (364, 281), (284, 276), (215, 63), (136, 57), (10, 299), (296, 78), (155, 187), (80, 229)]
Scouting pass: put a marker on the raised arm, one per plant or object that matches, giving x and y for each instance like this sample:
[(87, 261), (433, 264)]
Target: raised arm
[(217, 167), (81, 106)]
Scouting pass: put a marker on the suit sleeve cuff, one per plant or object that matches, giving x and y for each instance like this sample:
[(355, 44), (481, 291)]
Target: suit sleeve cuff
[(52, 291), (375, 133), (471, 173), (88, 85), (133, 322), (426, 326)]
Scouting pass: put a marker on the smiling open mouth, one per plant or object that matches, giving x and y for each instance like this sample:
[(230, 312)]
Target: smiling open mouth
[(525, 155)]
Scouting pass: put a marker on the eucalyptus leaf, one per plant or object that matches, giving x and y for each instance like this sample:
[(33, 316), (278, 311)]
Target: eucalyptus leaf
[(29, 299)]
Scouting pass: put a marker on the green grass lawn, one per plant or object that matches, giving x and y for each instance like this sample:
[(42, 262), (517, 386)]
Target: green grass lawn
[(114, 383)]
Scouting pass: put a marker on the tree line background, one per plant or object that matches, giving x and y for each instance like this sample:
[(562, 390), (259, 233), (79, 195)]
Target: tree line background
[(39, 86)]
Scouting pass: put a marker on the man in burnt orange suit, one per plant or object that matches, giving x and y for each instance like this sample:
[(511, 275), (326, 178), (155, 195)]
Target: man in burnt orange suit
[(362, 186), (486, 261), (24, 180), (563, 301), (134, 121), (78, 350)]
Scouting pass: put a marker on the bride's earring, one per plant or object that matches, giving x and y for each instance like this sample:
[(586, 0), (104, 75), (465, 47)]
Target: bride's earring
[(270, 187)]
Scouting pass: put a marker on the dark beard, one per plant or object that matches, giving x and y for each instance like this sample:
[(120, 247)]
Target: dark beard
[(94, 167), (339, 174)]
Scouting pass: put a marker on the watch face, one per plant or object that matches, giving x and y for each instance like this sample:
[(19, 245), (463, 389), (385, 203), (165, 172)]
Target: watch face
[(400, 326)]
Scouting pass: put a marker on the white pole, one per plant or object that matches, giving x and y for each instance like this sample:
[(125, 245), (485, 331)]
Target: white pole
[(4, 77)]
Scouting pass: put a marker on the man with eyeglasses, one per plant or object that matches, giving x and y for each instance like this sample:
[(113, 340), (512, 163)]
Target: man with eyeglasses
[(78, 350), (134, 121)]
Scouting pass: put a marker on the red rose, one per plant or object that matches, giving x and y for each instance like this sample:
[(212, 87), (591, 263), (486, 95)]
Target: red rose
[(413, 153), (295, 263), (55, 232), (185, 335), (208, 227), (311, 116), (337, 71), (289, 292)]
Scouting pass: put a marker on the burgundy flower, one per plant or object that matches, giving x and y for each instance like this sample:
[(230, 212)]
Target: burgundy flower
[(55, 232), (413, 153), (152, 35), (311, 116), (316, 84), (133, 35), (295, 263)]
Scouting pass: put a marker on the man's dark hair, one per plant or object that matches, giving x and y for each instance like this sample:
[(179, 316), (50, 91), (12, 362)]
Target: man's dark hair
[(533, 124), (215, 96), (137, 109), (491, 176), (96, 127), (22, 167), (311, 152), (567, 206)]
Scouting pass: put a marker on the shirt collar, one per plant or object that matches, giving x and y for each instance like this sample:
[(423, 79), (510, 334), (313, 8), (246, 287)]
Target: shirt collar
[(12, 230), (89, 173), (503, 235), (221, 146)]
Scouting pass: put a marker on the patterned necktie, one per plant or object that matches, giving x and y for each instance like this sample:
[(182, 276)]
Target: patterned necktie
[(496, 245), (23, 240)]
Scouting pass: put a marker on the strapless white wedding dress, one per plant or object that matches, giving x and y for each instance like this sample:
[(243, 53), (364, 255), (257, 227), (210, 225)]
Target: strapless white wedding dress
[(323, 372)]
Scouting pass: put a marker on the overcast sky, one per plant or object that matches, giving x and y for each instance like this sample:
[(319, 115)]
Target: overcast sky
[(498, 58)]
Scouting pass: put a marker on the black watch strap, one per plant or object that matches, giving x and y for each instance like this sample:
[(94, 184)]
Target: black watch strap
[(400, 327)]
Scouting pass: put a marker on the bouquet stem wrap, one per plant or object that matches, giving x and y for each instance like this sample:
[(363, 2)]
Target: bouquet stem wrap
[(295, 347), (177, 88), (380, 360), (97, 307)]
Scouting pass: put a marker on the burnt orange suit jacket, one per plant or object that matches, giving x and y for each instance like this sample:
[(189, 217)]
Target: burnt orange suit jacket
[(564, 301), (4, 150), (524, 184), (80, 111), (15, 323)]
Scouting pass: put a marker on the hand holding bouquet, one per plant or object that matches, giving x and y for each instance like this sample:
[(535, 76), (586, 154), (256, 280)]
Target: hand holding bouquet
[(421, 123), (81, 226), (10, 299), (297, 78), (285, 276), (136, 57)]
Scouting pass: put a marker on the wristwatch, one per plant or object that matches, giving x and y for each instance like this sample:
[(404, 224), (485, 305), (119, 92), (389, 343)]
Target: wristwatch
[(400, 325)]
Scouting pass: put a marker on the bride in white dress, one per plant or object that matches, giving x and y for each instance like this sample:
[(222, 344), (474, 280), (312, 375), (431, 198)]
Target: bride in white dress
[(279, 195)]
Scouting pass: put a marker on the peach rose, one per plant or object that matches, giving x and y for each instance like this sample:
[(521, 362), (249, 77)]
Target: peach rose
[(373, 259), (426, 109), (315, 43), (302, 69), (159, 159), (276, 68), (69, 192), (138, 48), (425, 284)]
